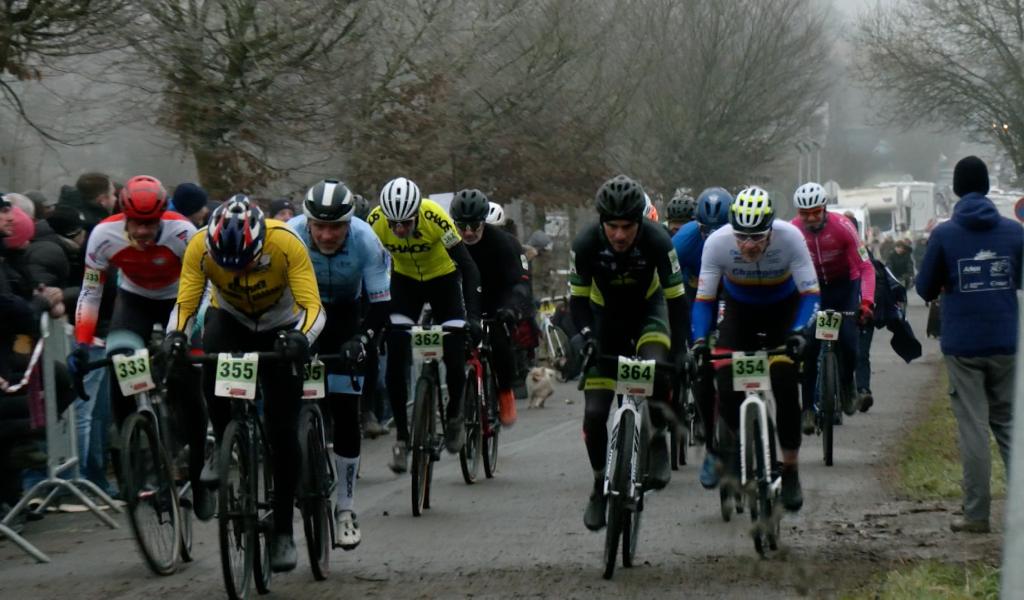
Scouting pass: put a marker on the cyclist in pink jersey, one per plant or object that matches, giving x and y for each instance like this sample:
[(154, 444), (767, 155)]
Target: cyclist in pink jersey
[(847, 281)]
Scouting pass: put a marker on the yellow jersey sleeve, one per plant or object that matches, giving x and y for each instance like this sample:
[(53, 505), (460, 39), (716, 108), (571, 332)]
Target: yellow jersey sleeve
[(191, 284), (302, 282)]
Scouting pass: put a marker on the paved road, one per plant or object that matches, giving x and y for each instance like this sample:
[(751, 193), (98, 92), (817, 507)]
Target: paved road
[(521, 534)]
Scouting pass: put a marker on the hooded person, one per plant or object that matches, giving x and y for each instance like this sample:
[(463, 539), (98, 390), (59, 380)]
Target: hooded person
[(54, 258), (973, 261)]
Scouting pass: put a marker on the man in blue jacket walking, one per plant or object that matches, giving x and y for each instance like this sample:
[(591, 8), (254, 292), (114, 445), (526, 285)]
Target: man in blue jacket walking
[(974, 261)]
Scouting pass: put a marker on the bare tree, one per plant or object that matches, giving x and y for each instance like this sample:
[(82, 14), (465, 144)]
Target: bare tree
[(35, 32), (954, 62), (502, 95), (733, 82), (233, 81)]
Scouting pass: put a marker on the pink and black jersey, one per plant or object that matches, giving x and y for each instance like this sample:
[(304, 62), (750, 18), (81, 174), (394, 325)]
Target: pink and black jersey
[(839, 255), (150, 272)]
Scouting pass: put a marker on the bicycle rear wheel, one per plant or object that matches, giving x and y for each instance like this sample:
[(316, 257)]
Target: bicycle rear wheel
[(263, 511), (150, 494), (235, 505), (619, 490), (469, 456), (314, 494), (185, 503), (829, 402), (422, 442), (490, 441)]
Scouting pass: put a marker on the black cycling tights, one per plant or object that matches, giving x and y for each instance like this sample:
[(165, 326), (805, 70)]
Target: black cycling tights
[(282, 393), (345, 416), (599, 402), (399, 359)]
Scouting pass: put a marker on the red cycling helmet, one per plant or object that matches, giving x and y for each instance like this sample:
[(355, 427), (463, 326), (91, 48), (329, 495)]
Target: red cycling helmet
[(144, 198)]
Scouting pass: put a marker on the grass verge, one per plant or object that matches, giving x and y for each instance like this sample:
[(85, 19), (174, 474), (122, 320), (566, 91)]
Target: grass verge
[(932, 581), (929, 459), (928, 469)]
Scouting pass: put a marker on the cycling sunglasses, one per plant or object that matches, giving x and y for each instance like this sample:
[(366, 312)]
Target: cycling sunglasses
[(751, 237), (469, 225), (404, 223)]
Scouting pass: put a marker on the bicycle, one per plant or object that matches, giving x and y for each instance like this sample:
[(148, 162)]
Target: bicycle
[(158, 501), (627, 464), (245, 494), (318, 479), (428, 405), (760, 480), (482, 426), (829, 397)]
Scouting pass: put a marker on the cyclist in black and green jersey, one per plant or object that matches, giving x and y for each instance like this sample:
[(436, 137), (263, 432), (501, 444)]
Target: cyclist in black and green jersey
[(627, 299)]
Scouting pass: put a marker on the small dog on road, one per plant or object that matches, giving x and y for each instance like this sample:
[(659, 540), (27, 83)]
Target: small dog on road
[(540, 386)]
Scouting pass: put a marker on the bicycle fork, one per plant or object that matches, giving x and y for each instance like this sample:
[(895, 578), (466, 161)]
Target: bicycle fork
[(756, 403), (613, 449)]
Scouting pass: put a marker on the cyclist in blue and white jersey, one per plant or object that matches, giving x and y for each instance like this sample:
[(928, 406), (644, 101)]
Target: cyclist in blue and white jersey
[(762, 269), (347, 257), (712, 213)]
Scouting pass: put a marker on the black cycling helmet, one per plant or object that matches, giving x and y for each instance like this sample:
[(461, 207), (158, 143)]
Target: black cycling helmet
[(362, 206), (681, 207), (470, 206), (620, 198), (329, 201)]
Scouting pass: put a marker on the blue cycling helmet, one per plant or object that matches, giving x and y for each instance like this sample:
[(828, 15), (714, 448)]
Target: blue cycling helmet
[(235, 235), (713, 207)]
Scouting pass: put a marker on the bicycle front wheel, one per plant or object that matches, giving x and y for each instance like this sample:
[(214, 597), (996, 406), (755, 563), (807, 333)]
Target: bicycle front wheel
[(469, 456), (315, 492), (619, 489), (235, 506), (490, 440), (150, 493), (422, 442), (829, 402), (263, 517)]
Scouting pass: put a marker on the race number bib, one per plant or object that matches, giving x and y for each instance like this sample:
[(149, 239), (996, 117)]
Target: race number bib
[(750, 372), (826, 325), (132, 372), (635, 377), (427, 343), (313, 378), (236, 376)]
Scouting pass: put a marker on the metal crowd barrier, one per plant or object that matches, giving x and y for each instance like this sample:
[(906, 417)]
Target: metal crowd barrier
[(61, 444)]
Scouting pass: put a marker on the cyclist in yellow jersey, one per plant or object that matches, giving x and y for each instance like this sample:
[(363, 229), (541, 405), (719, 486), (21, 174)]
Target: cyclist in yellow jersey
[(431, 264), (264, 297)]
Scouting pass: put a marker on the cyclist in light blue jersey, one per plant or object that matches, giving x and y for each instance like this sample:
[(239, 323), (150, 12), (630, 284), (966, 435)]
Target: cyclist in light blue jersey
[(347, 257)]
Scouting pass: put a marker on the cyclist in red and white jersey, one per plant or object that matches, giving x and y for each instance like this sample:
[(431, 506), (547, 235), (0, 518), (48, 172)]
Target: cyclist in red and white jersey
[(847, 281), (143, 245)]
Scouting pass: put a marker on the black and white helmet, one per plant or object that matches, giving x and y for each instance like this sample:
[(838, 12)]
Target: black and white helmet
[(329, 201), (400, 199), (810, 195)]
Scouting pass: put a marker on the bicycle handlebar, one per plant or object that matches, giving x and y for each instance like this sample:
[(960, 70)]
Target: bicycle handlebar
[(589, 360), (409, 327)]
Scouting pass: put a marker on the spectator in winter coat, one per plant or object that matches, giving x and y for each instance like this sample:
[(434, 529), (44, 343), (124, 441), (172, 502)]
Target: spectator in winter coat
[(93, 195), (901, 263), (974, 262), (54, 258)]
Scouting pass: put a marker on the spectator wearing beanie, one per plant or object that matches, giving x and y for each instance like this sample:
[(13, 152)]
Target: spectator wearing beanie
[(282, 209), (22, 229), (974, 262), (54, 258), (190, 200), (44, 206)]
